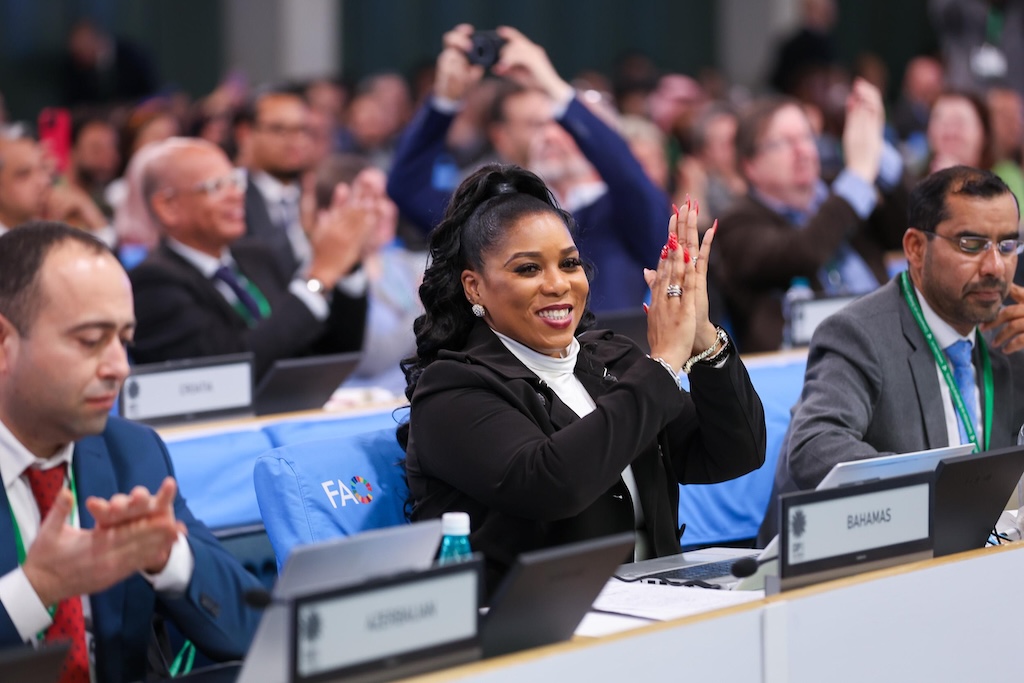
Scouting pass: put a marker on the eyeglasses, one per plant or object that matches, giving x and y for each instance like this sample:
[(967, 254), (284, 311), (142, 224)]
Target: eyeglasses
[(973, 245), (215, 186), (283, 130), (792, 142)]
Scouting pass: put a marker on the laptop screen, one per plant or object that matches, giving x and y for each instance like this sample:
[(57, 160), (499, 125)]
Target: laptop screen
[(970, 493)]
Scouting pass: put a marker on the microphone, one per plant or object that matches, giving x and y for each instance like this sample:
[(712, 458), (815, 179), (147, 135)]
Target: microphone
[(258, 598), (748, 566)]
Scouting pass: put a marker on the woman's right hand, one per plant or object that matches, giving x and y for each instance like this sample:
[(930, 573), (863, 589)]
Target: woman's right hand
[(672, 320)]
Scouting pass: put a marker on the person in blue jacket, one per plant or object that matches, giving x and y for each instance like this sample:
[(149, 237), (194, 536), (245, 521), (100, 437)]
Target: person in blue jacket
[(94, 537), (593, 174)]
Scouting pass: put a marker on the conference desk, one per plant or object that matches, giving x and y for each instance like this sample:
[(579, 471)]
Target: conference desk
[(214, 461), (943, 619)]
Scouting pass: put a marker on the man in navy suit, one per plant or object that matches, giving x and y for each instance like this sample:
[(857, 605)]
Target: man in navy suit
[(118, 544)]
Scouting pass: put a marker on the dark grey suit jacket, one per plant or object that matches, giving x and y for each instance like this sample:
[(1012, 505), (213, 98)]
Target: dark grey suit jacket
[(261, 229), (872, 388)]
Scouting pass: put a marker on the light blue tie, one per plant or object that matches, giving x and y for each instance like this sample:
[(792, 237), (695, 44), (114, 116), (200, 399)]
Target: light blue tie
[(959, 354)]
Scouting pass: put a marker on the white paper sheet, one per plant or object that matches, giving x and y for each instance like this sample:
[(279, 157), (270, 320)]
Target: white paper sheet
[(661, 602)]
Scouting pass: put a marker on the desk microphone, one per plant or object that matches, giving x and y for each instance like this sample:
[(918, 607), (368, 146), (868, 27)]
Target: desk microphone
[(258, 598), (747, 566)]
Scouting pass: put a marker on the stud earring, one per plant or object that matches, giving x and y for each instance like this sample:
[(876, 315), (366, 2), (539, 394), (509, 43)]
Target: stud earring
[(478, 310)]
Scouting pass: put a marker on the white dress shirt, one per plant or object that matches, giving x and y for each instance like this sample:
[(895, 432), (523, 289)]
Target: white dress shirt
[(27, 612)]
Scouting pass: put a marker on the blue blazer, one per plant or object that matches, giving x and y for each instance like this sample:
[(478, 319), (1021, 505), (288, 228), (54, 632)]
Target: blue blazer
[(211, 612)]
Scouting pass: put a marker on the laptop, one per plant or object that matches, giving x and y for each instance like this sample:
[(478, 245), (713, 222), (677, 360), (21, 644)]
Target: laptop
[(688, 569), (969, 495), (806, 315), (874, 469), (548, 592), (709, 567), (305, 383), (39, 665), (336, 563)]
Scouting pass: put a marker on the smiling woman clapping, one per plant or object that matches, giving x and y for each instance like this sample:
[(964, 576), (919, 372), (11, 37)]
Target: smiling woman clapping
[(544, 433)]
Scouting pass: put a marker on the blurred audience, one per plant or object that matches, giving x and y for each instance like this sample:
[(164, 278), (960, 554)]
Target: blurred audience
[(393, 273), (95, 159), (28, 192), (982, 42), (619, 211), (810, 49), (960, 133), (278, 144), (101, 68), (793, 224), (202, 292)]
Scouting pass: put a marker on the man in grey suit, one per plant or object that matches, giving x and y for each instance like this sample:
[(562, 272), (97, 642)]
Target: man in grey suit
[(876, 385)]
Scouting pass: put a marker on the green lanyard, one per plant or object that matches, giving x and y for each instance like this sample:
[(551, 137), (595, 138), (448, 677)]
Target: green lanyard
[(940, 359), (994, 26), (19, 542)]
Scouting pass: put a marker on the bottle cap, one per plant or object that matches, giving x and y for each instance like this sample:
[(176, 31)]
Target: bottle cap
[(455, 524)]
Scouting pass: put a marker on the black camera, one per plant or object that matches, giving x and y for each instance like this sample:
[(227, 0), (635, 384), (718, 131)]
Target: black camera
[(486, 48)]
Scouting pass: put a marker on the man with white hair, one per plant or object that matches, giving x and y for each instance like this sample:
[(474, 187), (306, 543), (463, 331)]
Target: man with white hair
[(201, 293)]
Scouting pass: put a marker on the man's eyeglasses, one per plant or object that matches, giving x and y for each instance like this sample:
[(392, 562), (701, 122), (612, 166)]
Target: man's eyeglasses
[(973, 245), (281, 130), (215, 186)]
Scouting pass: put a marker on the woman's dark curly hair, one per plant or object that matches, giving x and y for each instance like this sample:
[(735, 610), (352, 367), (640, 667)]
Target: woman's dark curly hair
[(478, 216)]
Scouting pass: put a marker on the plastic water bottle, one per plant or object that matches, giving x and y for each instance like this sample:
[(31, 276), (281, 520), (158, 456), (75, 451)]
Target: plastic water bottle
[(799, 290), (455, 540)]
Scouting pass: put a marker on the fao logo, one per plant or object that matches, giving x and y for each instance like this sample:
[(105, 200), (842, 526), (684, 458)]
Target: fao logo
[(358, 491)]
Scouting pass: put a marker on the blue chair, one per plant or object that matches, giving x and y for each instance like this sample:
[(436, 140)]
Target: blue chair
[(213, 475), (732, 510), (301, 431), (318, 490)]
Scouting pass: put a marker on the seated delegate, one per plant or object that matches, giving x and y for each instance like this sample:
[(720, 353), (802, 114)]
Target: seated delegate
[(547, 434)]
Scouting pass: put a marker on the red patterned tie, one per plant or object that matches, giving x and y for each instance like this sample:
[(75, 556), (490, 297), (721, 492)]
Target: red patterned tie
[(68, 621)]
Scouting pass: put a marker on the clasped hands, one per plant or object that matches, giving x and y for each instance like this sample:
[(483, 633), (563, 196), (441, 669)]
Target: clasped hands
[(677, 319), (133, 532)]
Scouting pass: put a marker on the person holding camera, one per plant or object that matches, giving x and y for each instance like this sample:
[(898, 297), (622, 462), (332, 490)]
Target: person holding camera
[(539, 123)]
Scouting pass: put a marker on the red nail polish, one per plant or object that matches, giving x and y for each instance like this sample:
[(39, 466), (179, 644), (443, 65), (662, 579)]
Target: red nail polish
[(675, 210), (646, 309), (664, 253), (696, 203), (714, 226), (686, 255), (673, 242)]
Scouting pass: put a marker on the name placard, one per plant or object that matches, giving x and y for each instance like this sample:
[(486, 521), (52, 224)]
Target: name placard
[(184, 390), (395, 626), (835, 532)]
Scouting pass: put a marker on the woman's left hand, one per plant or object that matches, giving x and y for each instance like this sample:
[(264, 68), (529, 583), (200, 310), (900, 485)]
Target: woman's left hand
[(706, 333)]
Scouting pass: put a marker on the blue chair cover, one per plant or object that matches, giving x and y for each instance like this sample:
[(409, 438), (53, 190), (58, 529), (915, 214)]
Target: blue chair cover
[(213, 474), (319, 490), (733, 510), (298, 431)]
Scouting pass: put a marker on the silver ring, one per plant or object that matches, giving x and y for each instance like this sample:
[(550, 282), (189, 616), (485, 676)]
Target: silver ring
[(674, 291)]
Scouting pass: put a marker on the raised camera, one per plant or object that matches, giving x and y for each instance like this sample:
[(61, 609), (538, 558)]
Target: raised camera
[(486, 48)]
